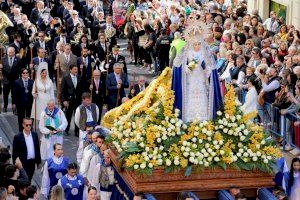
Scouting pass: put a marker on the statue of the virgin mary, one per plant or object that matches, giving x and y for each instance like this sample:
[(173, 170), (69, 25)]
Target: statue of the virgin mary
[(195, 79)]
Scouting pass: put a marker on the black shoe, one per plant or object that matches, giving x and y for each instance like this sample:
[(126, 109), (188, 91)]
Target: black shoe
[(5, 110), (67, 133)]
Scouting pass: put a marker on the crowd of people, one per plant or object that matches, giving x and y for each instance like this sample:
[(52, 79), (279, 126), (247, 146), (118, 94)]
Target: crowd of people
[(62, 59)]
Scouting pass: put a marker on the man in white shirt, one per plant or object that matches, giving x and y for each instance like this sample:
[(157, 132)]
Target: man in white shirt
[(86, 117), (26, 147), (54, 169), (271, 23)]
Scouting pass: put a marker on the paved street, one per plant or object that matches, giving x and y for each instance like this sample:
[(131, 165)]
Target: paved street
[(9, 124)]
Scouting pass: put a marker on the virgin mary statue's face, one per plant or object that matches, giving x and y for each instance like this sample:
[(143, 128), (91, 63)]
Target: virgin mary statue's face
[(43, 74), (196, 46)]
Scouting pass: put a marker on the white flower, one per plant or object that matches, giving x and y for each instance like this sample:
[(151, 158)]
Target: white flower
[(206, 145), (209, 150), (227, 116), (196, 128), (203, 150), (208, 133), (206, 154), (258, 146), (246, 132), (173, 121), (216, 159), (258, 153), (150, 165), (221, 142), (241, 150), (185, 154), (176, 162), (246, 154), (249, 151), (242, 138), (222, 152), (221, 127), (204, 130), (225, 123), (242, 126), (220, 121), (233, 118), (159, 156), (206, 164), (143, 166), (196, 133), (192, 159), (230, 132), (205, 123), (187, 149), (263, 142), (194, 139), (164, 137), (184, 143), (219, 113), (225, 130), (209, 159), (168, 162), (147, 149), (269, 157), (177, 124), (235, 133), (263, 156), (266, 161), (165, 154), (213, 153), (184, 126), (135, 166), (167, 118), (182, 148), (238, 117), (234, 158), (200, 141), (215, 142), (192, 154), (240, 145), (209, 139), (217, 146), (254, 158), (161, 147), (194, 146), (158, 140), (146, 158), (188, 144), (159, 161)]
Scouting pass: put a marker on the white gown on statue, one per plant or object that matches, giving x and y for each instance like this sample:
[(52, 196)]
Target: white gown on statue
[(196, 100), (45, 93)]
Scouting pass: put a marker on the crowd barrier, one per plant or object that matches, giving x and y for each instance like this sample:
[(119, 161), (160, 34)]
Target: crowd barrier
[(282, 126)]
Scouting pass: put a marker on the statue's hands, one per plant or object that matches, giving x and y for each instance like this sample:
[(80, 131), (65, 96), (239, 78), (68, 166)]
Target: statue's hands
[(188, 70)]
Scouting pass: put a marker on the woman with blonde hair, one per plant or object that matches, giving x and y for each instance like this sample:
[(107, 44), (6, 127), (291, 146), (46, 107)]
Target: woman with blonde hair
[(57, 193)]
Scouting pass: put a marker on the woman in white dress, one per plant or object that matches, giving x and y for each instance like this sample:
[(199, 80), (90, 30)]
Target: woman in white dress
[(250, 104), (42, 91)]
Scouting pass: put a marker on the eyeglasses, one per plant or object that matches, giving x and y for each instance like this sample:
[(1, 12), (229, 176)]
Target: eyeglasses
[(27, 125), (41, 36), (24, 72)]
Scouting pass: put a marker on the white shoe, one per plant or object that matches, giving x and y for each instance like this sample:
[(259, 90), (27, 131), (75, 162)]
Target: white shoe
[(288, 147)]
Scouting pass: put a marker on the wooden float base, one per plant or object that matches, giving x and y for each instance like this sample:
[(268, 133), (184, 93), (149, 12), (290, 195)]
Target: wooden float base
[(204, 184)]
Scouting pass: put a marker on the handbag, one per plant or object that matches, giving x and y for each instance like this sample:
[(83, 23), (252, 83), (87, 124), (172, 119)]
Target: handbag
[(261, 99)]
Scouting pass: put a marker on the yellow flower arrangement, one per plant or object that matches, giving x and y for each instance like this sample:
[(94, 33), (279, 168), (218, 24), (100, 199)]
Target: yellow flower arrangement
[(147, 132)]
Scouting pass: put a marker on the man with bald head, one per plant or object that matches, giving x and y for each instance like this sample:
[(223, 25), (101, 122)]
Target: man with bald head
[(11, 72), (52, 124), (97, 87)]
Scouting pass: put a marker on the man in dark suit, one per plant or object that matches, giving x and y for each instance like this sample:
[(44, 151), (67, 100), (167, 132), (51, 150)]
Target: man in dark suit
[(22, 97), (72, 87), (84, 64), (63, 37), (98, 91), (116, 58), (11, 71), (26, 147), (115, 83), (17, 43), (41, 58), (41, 43), (100, 49)]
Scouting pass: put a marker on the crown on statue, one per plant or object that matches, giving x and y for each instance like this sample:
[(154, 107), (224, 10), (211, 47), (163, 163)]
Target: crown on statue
[(195, 31)]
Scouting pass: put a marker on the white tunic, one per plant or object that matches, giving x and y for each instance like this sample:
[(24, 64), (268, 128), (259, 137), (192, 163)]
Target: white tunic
[(47, 143)]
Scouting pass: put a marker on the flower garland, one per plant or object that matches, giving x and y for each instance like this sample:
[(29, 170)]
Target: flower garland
[(147, 133)]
